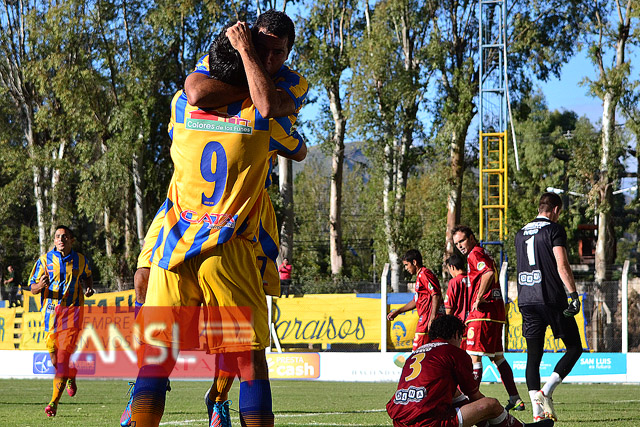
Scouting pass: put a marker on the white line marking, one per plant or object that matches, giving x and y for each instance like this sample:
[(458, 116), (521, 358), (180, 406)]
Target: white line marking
[(306, 414)]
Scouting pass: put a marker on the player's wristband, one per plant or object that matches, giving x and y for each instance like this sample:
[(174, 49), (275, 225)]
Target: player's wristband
[(573, 295)]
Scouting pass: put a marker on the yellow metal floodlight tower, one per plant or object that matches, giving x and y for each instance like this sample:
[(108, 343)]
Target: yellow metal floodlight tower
[(493, 200)]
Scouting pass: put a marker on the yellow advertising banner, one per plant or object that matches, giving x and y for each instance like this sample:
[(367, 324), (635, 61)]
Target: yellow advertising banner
[(32, 303), (516, 342), (402, 329), (33, 335), (327, 319), (7, 326)]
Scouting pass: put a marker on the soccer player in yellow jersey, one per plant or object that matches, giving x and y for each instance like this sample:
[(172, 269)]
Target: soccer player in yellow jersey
[(210, 232), (58, 277)]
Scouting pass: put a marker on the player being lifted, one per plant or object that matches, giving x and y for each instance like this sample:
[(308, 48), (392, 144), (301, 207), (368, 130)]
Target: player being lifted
[(430, 380), (427, 299), (487, 316), (223, 272), (273, 35), (543, 274)]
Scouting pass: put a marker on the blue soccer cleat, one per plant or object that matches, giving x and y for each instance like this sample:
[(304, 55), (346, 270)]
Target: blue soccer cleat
[(125, 419), (218, 412)]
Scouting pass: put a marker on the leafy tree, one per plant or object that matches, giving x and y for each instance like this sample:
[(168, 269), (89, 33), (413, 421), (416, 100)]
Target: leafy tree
[(329, 34)]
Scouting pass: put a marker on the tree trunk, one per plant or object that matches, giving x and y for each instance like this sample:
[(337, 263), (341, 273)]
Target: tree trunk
[(55, 179), (286, 192), (138, 199), (605, 186), (337, 168), (456, 175)]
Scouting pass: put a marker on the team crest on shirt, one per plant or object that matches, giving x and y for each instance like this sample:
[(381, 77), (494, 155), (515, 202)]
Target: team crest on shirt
[(214, 121), (481, 265), (213, 221)]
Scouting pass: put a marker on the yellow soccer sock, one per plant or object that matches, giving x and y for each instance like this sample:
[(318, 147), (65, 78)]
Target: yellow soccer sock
[(59, 384)]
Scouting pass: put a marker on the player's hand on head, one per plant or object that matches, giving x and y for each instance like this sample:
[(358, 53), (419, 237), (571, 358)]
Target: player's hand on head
[(239, 35)]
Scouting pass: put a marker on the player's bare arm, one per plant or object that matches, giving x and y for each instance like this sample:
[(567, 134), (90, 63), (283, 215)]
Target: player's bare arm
[(564, 268), (269, 101), (88, 286), (205, 92), (298, 156), (42, 283), (485, 281), (407, 307), (436, 300)]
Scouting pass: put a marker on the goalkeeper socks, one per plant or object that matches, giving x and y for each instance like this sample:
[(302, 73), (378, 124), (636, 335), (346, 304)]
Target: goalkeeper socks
[(255, 404), (477, 372), (136, 309), (506, 374), (149, 397), (538, 410), (551, 384)]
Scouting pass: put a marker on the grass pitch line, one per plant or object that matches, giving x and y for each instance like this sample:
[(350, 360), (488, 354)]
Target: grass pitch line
[(306, 414)]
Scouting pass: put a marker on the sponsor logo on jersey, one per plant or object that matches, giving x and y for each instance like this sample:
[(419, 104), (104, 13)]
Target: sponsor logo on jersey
[(526, 278), (412, 394), (217, 122), (214, 221)]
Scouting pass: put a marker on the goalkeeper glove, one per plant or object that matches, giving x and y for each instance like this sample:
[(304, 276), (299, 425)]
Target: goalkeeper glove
[(574, 306)]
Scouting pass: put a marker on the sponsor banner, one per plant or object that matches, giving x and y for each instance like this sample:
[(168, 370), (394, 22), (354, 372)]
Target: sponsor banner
[(327, 319), (297, 366), (85, 363), (402, 329), (365, 367), (590, 365), (516, 342), (7, 327), (33, 334), (33, 303)]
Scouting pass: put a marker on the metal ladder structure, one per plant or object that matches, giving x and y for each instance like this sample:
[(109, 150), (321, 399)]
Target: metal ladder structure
[(493, 186)]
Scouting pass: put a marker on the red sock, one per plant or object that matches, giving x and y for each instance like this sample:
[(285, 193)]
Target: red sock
[(477, 373)]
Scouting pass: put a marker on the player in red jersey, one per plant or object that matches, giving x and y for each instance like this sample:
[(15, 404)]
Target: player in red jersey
[(429, 381), (458, 299), (487, 316), (428, 298)]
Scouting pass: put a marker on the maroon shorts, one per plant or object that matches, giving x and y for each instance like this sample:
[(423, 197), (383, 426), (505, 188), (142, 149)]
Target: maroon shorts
[(420, 339), (484, 338), (448, 419)]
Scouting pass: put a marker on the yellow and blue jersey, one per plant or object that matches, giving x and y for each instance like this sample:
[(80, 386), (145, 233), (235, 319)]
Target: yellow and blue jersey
[(220, 169), (64, 290)]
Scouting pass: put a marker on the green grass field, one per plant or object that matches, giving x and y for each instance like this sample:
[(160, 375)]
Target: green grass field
[(296, 403)]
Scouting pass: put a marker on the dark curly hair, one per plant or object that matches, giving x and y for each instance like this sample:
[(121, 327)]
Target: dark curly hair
[(468, 232), (225, 63), (413, 255), (456, 261), (278, 24), (446, 327)]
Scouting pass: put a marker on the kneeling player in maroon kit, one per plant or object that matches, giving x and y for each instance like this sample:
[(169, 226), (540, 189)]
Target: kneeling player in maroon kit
[(428, 298), (430, 378)]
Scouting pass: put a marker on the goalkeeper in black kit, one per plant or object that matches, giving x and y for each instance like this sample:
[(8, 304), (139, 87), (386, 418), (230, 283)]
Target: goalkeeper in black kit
[(543, 274)]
